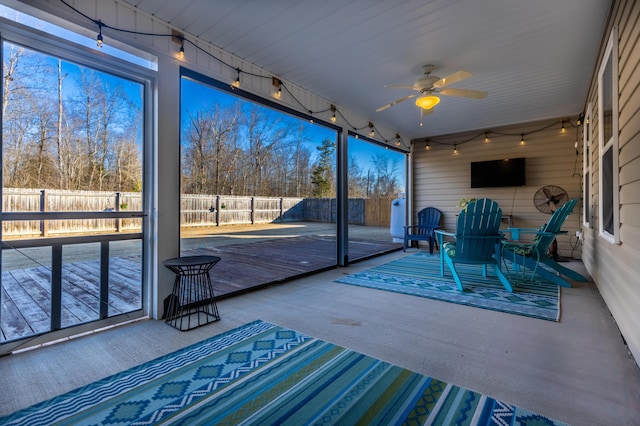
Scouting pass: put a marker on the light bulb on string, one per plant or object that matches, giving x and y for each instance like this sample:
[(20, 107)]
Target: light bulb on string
[(237, 82), (427, 147), (563, 130), (522, 142), (99, 39), (455, 149), (333, 113), (372, 133), (486, 137), (278, 85), (181, 52)]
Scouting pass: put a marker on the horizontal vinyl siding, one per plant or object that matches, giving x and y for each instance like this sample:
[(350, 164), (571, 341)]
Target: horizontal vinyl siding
[(615, 267), (441, 178)]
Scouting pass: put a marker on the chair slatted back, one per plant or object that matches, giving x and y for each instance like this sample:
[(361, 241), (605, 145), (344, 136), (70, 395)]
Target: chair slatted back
[(478, 231), (428, 220), (554, 225)]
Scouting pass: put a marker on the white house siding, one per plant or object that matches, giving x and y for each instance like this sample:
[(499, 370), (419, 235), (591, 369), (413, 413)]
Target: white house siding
[(615, 268), (441, 178)]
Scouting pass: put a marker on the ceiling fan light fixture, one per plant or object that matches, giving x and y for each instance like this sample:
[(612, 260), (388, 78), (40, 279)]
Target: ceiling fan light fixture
[(427, 101)]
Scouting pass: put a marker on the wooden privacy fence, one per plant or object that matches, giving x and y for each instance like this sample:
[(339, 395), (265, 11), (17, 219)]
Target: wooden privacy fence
[(52, 200), (196, 210)]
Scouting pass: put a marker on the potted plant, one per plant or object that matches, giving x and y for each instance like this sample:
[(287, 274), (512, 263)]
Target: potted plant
[(462, 204)]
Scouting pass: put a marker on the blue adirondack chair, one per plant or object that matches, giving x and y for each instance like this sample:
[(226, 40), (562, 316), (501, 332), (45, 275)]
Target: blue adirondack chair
[(476, 240), (531, 255), (428, 222)]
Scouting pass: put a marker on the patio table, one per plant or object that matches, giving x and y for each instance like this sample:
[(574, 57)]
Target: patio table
[(192, 302)]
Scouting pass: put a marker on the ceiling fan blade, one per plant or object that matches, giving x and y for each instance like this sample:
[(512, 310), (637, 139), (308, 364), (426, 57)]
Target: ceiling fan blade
[(397, 101), (453, 78), (402, 86), (464, 92)]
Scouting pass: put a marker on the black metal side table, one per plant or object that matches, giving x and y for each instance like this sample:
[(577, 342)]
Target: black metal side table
[(192, 302)]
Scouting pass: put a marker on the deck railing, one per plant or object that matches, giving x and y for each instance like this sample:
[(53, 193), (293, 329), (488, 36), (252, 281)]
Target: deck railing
[(196, 210)]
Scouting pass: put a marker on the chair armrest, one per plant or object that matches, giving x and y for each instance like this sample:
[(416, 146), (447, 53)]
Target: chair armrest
[(515, 233), (448, 234)]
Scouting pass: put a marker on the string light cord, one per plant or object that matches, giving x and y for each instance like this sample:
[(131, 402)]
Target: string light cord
[(184, 40), (486, 133)]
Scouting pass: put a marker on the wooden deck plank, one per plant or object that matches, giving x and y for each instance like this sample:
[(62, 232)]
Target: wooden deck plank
[(124, 291), (26, 293), (28, 299), (12, 323)]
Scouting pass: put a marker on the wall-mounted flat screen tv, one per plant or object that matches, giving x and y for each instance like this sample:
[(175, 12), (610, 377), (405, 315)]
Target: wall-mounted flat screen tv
[(496, 173)]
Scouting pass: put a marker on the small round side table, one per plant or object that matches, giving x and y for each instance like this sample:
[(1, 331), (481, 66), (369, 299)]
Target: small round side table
[(192, 302)]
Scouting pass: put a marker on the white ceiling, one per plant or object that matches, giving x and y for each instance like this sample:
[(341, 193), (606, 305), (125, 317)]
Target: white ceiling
[(535, 58)]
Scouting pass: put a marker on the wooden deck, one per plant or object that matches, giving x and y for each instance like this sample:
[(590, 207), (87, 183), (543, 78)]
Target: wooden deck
[(26, 294)]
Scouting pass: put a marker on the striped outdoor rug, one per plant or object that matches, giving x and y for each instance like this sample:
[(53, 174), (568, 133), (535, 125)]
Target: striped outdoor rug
[(264, 374), (419, 275)]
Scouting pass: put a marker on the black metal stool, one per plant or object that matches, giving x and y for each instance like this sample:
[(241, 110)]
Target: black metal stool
[(192, 302)]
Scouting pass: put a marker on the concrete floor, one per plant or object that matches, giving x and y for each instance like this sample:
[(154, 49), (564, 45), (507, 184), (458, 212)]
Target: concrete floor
[(577, 370)]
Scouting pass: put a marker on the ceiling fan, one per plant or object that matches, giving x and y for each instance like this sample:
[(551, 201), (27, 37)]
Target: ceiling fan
[(428, 86)]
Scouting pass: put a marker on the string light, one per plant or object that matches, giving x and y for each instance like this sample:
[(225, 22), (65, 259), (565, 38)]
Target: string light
[(427, 147), (486, 137), (237, 82), (455, 149), (398, 140), (99, 39), (522, 142), (563, 130), (179, 38), (278, 85)]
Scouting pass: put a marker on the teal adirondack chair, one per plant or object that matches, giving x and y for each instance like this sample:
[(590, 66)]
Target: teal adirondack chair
[(476, 240), (531, 255)]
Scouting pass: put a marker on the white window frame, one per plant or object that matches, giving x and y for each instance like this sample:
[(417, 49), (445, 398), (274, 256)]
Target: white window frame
[(587, 161), (611, 52)]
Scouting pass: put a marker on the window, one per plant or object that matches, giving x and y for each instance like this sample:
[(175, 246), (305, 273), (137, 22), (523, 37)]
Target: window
[(609, 207), (73, 215), (586, 168)]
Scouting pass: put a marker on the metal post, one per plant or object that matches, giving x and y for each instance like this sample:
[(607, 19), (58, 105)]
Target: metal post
[(104, 279), (217, 210), (342, 200), (117, 209), (56, 287), (44, 203)]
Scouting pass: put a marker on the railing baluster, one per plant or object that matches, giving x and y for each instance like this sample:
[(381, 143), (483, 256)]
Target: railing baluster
[(56, 286)]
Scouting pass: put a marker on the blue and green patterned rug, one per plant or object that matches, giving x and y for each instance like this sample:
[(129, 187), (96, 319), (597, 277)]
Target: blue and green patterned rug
[(419, 275), (263, 374)]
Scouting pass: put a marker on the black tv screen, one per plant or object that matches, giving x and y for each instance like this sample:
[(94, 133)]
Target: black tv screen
[(495, 173)]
